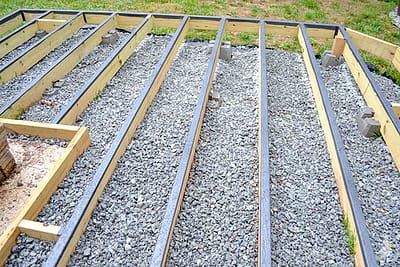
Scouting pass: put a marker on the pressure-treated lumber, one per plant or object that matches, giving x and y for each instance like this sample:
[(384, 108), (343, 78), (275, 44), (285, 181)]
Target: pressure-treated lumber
[(49, 24), (364, 255), (396, 109), (77, 224), (39, 230), (161, 249), (396, 59), (16, 38), (39, 50), (106, 72), (374, 97), (33, 93), (372, 45), (10, 22), (338, 46), (79, 141), (7, 161)]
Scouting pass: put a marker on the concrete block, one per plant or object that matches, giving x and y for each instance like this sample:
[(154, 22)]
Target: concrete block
[(214, 95), (368, 126), (365, 112), (328, 59), (225, 52), (110, 38), (40, 33)]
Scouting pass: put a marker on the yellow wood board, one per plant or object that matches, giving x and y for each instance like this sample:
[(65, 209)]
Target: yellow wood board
[(78, 143)]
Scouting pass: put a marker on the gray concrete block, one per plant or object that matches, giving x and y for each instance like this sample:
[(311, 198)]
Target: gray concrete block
[(110, 38), (225, 50), (214, 95), (328, 59), (365, 112), (368, 126), (40, 33)]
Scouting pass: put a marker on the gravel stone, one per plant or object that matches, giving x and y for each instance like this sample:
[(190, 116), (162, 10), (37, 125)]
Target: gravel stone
[(103, 118), (12, 87), (305, 209), (17, 51), (132, 207), (217, 224), (376, 176), (63, 91)]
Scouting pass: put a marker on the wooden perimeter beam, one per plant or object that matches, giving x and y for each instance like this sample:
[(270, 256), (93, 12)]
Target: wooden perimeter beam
[(34, 91), (11, 21), (74, 228), (36, 52), (106, 72), (19, 36), (374, 97), (49, 184), (347, 191), (264, 206), (177, 193), (372, 45), (396, 109), (39, 230)]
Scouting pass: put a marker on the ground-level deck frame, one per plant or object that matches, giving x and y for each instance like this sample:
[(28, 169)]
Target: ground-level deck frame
[(141, 23)]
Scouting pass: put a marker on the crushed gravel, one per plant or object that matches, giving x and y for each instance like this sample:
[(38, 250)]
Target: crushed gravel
[(71, 83), (103, 118), (376, 176), (217, 224), (17, 51), (132, 207), (305, 210), (12, 87)]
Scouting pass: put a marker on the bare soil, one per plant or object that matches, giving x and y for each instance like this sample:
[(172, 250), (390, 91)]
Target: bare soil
[(33, 161)]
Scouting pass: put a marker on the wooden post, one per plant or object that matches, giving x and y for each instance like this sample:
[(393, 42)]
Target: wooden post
[(338, 46), (7, 162)]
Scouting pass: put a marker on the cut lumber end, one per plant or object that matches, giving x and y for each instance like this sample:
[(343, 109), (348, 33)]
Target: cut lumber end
[(7, 161)]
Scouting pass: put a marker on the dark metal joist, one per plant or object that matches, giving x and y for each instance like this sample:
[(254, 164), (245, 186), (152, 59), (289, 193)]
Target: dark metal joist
[(33, 92), (20, 35), (340, 164), (76, 225), (177, 193), (264, 214), (37, 51), (107, 70)]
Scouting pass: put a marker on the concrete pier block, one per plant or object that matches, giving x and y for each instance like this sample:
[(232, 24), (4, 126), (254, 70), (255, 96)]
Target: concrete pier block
[(225, 50), (40, 33), (365, 112), (328, 59), (110, 38), (368, 126)]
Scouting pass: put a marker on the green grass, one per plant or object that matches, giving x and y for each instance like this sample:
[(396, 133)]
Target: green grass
[(367, 16), (350, 236)]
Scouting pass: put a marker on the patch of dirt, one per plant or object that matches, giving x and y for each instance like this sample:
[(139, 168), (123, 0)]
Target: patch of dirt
[(33, 161)]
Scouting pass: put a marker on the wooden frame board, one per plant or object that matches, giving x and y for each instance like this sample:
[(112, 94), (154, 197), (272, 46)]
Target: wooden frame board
[(79, 140)]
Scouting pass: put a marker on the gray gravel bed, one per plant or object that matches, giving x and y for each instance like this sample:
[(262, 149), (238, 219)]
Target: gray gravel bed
[(376, 176), (71, 83), (389, 88), (103, 117), (17, 51), (12, 87), (305, 209), (217, 225), (124, 228)]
